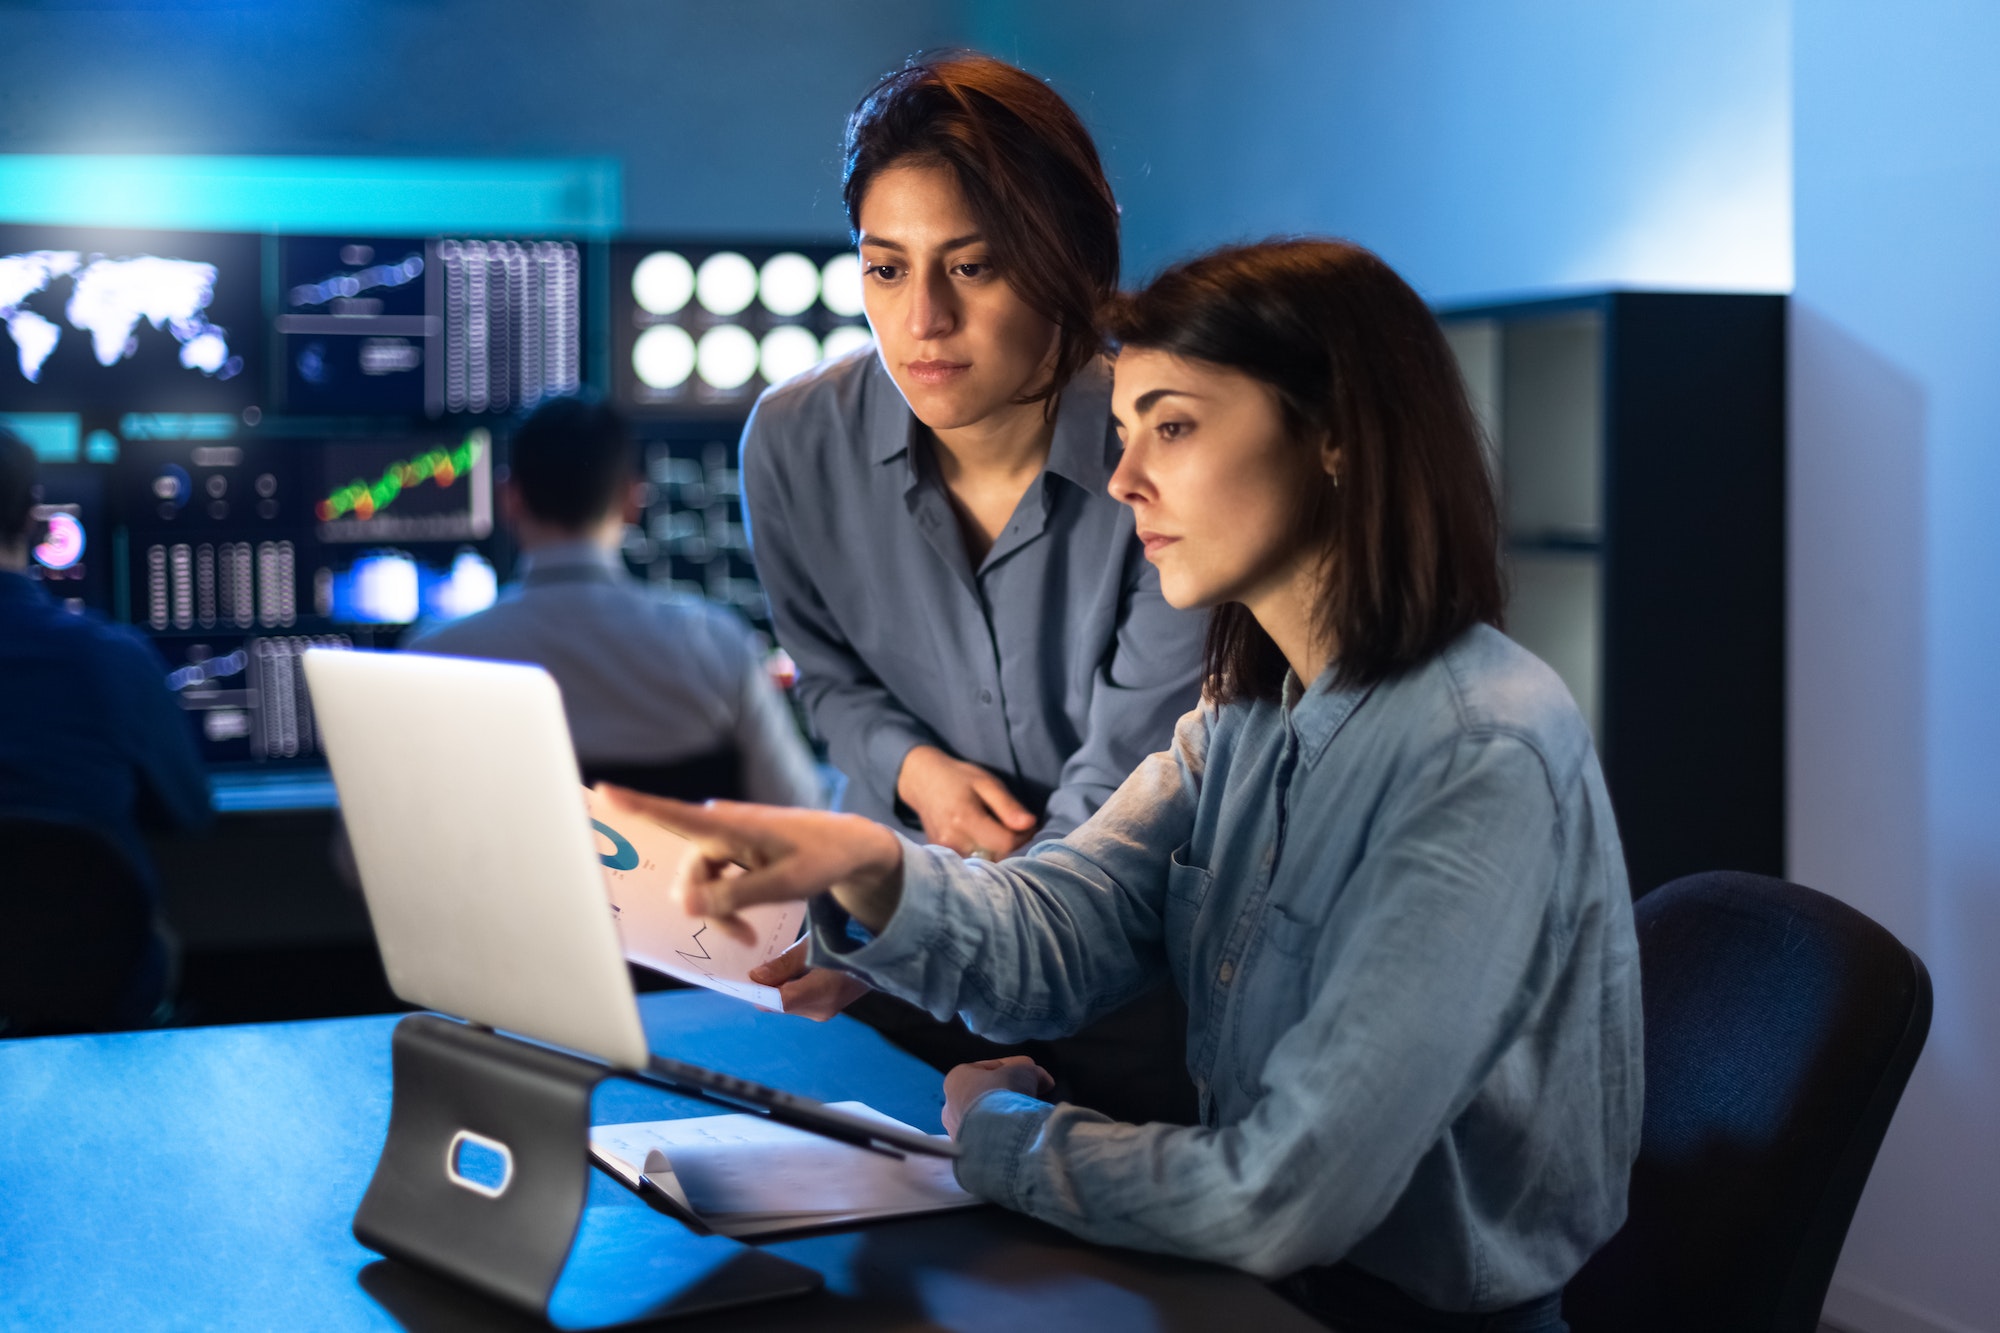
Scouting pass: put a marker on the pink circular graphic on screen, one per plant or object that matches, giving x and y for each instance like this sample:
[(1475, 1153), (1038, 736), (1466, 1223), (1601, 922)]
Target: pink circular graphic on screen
[(63, 546)]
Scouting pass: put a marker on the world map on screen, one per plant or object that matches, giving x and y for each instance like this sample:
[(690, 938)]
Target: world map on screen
[(108, 299)]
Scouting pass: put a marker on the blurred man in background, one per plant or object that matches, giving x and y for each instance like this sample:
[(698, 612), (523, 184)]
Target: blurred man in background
[(664, 694)]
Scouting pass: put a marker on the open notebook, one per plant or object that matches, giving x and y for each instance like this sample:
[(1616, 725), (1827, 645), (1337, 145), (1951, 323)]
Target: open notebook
[(744, 1175)]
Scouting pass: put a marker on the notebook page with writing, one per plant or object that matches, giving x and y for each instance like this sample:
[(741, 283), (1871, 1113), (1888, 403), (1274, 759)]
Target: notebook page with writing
[(743, 1174)]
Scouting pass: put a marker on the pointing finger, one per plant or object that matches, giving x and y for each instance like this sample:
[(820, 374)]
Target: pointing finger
[(705, 891), (705, 825)]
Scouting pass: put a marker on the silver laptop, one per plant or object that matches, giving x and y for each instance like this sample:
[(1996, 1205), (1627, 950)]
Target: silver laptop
[(461, 795)]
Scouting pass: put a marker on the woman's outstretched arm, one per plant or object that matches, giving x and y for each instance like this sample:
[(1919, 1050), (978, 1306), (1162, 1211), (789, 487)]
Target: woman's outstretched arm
[(1438, 954), (1031, 947)]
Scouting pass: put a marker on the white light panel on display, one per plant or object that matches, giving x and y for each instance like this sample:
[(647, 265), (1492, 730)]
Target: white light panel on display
[(726, 357), (846, 339), (663, 356), (725, 284), (663, 283), (840, 285), (788, 284), (708, 325), (787, 350)]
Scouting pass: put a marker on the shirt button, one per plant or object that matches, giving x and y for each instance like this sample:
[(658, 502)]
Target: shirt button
[(1227, 971), (986, 696)]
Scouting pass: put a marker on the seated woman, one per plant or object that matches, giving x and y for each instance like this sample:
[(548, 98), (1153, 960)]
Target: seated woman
[(1378, 860)]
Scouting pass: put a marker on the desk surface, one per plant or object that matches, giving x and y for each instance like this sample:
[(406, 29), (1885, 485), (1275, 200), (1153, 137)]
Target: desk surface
[(205, 1179)]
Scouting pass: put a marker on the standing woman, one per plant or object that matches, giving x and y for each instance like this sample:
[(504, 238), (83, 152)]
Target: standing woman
[(1378, 861), (979, 638)]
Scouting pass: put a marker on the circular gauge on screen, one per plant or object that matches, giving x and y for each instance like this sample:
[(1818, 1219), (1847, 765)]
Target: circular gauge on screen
[(172, 486), (64, 545)]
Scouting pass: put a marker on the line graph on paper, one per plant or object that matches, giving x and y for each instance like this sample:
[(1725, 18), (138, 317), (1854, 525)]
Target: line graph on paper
[(642, 863)]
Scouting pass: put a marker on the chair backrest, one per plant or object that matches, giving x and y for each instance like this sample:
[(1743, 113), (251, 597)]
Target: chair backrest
[(75, 926), (1781, 1028)]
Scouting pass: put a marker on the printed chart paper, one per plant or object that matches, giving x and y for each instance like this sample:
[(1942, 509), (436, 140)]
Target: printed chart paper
[(642, 863)]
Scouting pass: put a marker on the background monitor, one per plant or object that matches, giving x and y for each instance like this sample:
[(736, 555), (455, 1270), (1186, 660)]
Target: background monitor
[(239, 508), (148, 321), (410, 488), (699, 329), (74, 557), (244, 552), (429, 327)]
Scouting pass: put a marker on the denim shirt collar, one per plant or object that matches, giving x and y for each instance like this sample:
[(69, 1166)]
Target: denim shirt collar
[(1317, 714)]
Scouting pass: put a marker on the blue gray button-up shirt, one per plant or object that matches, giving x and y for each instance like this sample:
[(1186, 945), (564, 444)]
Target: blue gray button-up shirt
[(1400, 920), (646, 678), (1055, 663)]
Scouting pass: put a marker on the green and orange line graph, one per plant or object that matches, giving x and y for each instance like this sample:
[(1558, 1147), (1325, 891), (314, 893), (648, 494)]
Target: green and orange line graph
[(365, 499)]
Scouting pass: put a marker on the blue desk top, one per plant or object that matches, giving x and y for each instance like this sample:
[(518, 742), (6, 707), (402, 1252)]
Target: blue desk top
[(206, 1178)]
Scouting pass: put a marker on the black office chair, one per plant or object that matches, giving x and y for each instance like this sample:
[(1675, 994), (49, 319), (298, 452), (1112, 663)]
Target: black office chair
[(76, 931), (1781, 1028)]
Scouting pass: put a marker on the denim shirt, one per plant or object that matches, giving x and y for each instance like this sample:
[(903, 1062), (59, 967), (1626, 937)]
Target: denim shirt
[(1054, 663), (1400, 919)]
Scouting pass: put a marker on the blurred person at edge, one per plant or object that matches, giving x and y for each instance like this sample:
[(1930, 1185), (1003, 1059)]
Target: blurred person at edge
[(979, 638), (89, 732)]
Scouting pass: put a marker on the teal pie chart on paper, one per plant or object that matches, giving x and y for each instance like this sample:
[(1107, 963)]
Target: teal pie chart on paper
[(623, 855)]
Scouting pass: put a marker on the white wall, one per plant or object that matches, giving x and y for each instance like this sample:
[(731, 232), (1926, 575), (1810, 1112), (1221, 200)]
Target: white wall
[(1483, 149), (1895, 633)]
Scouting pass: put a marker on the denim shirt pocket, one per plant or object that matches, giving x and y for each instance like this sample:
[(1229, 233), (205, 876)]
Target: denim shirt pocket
[(1187, 891), (1274, 986), (1286, 932)]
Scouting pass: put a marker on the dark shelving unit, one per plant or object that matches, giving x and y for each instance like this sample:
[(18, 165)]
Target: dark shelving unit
[(1639, 441)]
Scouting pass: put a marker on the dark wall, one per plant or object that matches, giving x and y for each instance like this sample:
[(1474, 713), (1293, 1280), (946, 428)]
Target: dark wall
[(726, 116)]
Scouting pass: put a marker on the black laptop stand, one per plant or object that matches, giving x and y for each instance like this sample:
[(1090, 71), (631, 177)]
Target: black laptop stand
[(484, 1179)]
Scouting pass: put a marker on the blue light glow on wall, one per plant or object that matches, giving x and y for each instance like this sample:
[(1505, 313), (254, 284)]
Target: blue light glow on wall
[(304, 195)]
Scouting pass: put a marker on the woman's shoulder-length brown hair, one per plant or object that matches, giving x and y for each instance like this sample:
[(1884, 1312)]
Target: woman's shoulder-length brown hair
[(1030, 175), (1410, 534)]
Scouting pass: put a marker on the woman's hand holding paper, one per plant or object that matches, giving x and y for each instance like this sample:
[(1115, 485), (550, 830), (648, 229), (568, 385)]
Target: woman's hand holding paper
[(817, 993), (786, 855)]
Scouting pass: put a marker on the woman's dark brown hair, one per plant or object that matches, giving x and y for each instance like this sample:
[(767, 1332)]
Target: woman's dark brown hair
[(1029, 172), (1410, 534)]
